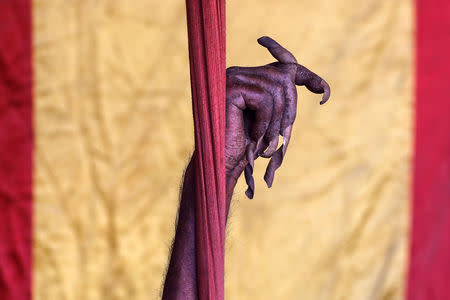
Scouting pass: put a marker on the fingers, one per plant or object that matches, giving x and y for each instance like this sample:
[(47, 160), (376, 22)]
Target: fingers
[(277, 51), (276, 91), (315, 84), (290, 104), (268, 106), (282, 79)]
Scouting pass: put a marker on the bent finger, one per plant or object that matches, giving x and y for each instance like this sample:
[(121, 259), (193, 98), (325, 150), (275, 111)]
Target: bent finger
[(313, 82)]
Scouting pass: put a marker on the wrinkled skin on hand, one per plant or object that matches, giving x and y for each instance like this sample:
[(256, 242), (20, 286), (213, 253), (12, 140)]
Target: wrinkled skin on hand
[(261, 104)]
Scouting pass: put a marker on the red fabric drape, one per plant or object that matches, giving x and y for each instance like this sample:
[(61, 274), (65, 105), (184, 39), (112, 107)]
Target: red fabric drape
[(206, 32), (16, 145), (429, 269)]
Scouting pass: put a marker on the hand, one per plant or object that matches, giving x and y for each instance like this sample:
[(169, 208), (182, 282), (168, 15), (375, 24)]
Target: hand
[(261, 104)]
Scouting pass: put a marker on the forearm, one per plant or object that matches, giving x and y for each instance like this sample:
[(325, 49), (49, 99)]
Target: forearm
[(181, 278)]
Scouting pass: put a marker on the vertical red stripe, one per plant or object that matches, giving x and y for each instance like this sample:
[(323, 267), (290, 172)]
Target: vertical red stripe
[(429, 270), (206, 32), (16, 142)]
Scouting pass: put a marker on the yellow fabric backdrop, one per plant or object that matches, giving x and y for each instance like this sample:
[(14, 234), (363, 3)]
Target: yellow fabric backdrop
[(113, 127)]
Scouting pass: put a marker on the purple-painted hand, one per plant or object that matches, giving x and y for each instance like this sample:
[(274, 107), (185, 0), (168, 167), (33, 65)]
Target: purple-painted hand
[(261, 104)]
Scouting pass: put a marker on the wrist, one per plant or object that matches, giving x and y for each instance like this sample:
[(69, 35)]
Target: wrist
[(232, 177)]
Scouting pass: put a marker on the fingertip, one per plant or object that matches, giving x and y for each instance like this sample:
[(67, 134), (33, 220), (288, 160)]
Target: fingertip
[(249, 193), (261, 38), (268, 178), (265, 41)]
